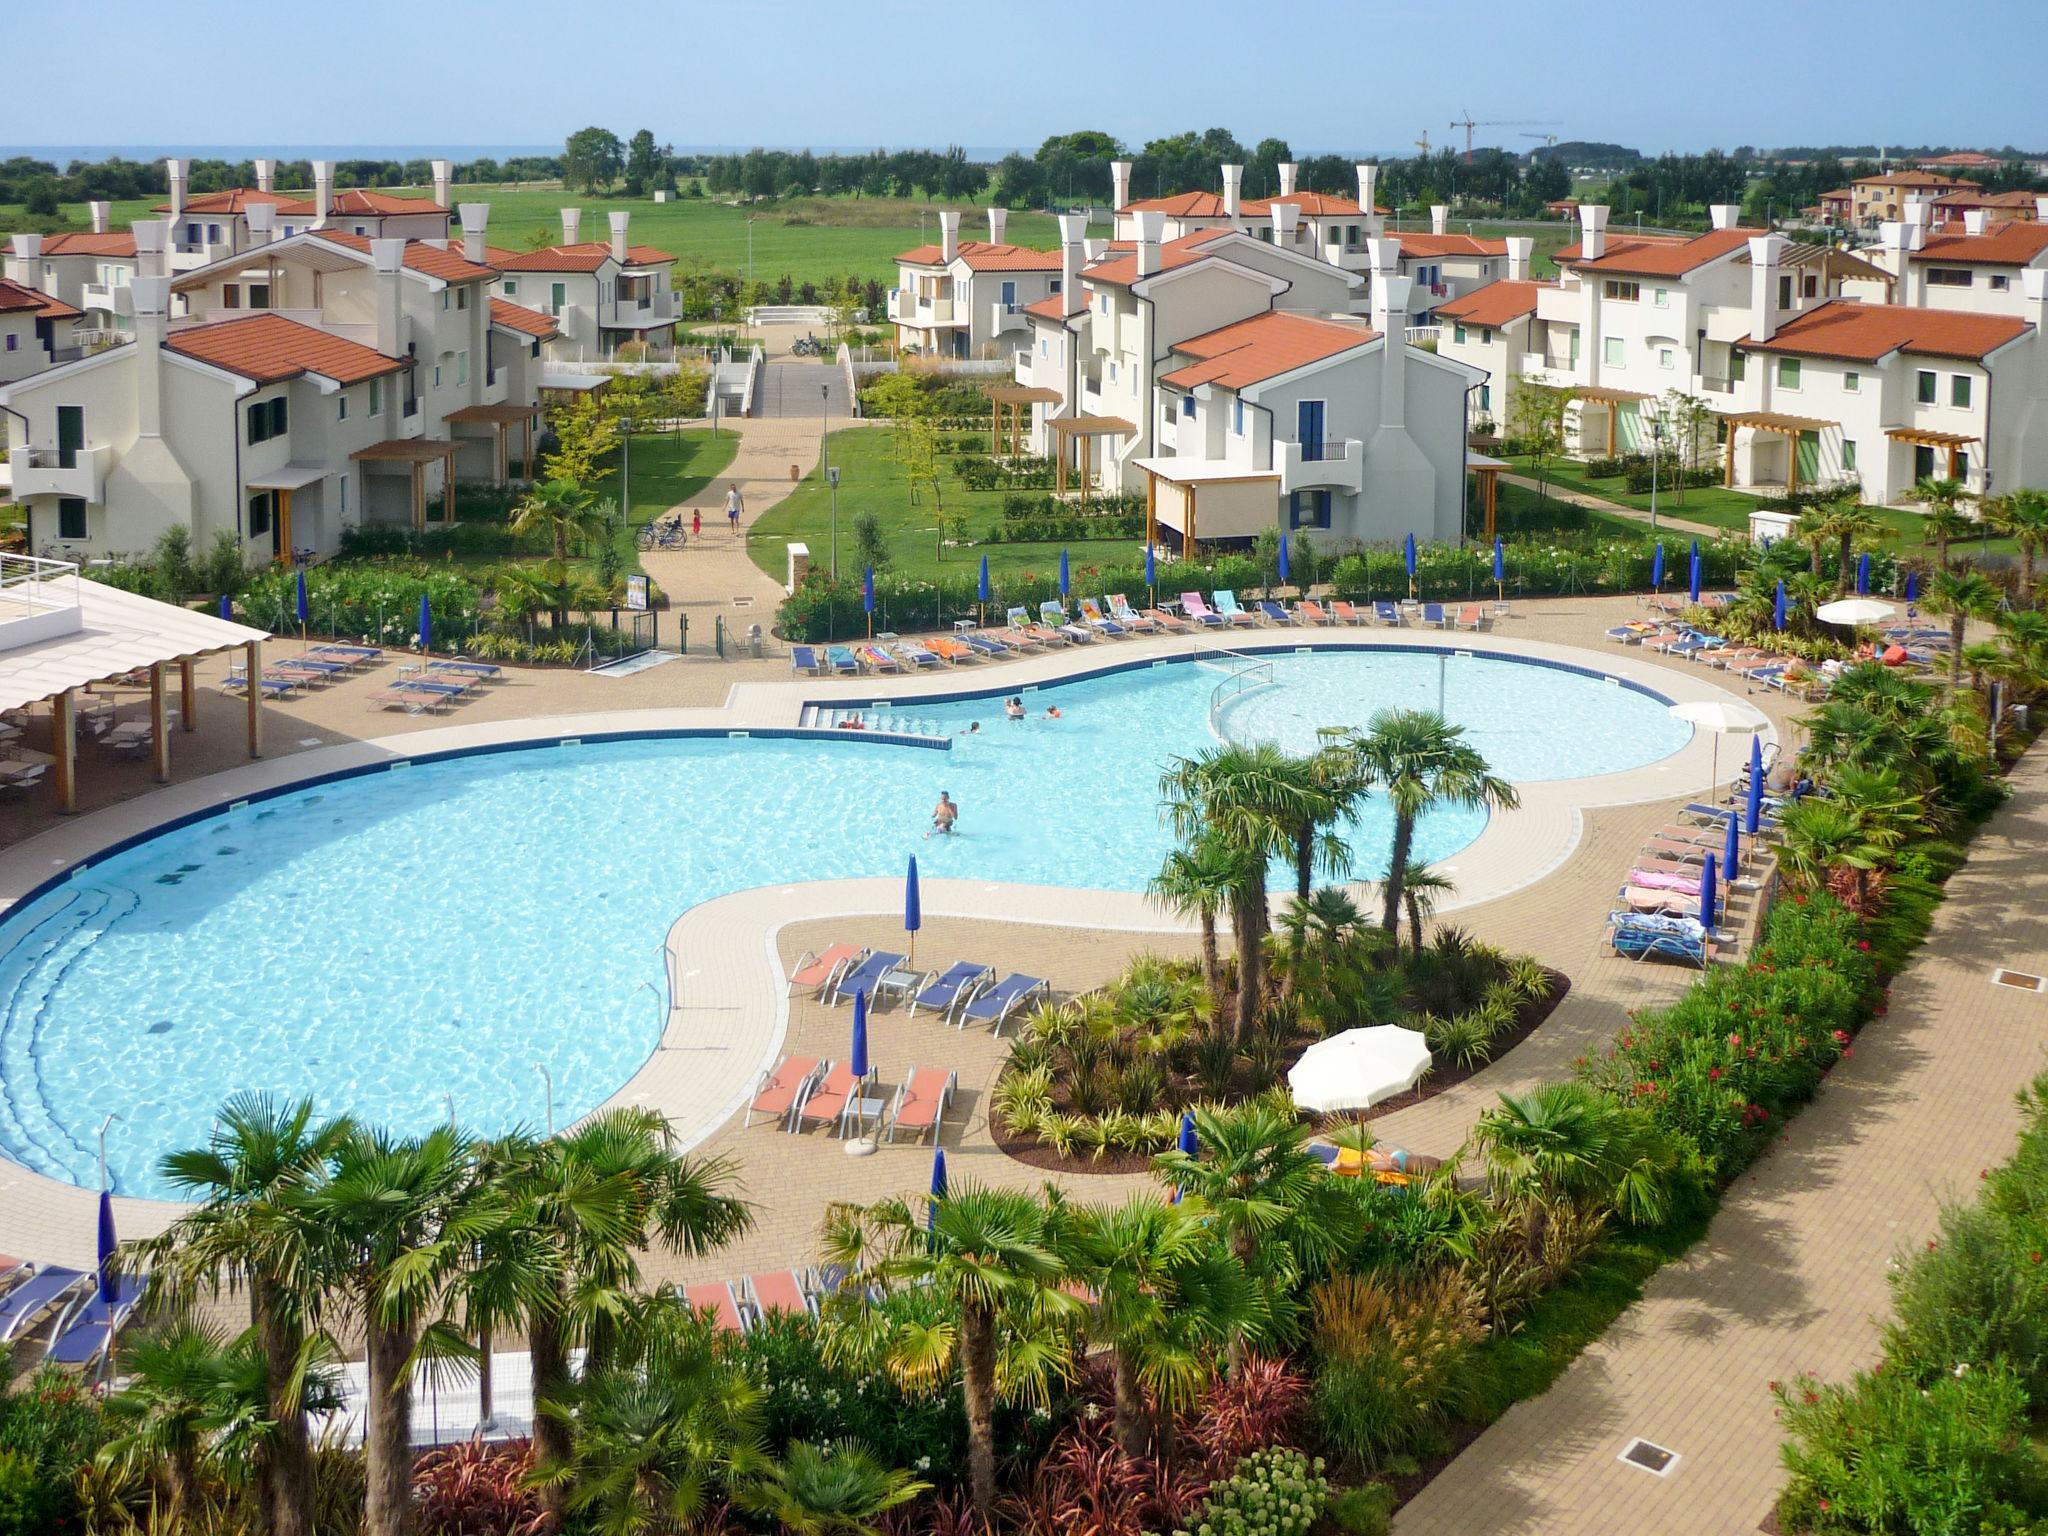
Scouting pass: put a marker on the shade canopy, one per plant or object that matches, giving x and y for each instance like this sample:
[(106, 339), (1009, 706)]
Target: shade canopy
[(1359, 1068), (1854, 610), (1720, 715)]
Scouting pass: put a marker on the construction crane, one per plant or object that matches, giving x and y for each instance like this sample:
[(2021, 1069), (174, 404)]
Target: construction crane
[(1468, 122), (1549, 139), (1423, 143)]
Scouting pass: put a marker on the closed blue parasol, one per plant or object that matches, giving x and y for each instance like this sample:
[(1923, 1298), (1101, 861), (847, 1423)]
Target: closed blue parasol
[(1912, 587), (931, 1213), (1657, 567), (1283, 559), (301, 598), (982, 592), (107, 1242), (867, 590), (1189, 1143), (1500, 561), (426, 623), (1753, 812), (1151, 569), (1693, 583), (1707, 894), (1065, 586), (857, 1055), (1778, 608), (1863, 574), (1408, 556), (1731, 852), (913, 906), (227, 607)]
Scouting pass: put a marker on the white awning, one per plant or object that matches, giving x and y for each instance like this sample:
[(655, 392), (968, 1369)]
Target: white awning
[(578, 381), (288, 477), (1187, 471), (114, 633)]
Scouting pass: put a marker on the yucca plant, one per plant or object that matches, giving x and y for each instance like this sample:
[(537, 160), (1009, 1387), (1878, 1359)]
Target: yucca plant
[(1531, 977), (1215, 1064), (1060, 1132), (1464, 1040), (1140, 1088)]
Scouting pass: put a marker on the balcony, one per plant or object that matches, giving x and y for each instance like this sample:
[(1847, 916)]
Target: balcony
[(1008, 317), (638, 314), (38, 600), (910, 309), (80, 472), (1715, 384), (108, 300), (1336, 463)]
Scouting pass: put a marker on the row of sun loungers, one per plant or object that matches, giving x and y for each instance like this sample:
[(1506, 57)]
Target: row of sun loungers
[(86, 1324), (1657, 911), (741, 1308), (802, 1093), (966, 992)]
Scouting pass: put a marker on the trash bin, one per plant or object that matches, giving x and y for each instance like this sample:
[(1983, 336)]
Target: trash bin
[(795, 474), (754, 641)]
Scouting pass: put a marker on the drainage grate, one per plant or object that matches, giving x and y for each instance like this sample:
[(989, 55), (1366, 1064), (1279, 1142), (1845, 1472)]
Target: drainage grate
[(1651, 1458), (2019, 981)]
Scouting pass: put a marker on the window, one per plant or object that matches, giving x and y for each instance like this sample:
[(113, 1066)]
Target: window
[(462, 367), (1924, 387), (1661, 297), (2000, 282), (1621, 291), (1458, 334), (1785, 290), (437, 375), (71, 517), (1237, 417), (1848, 455), (259, 295), (510, 287), (1667, 357), (1102, 301), (213, 234), (277, 417), (230, 296), (1042, 352), (1486, 335), (13, 342), (1949, 277), (1486, 397), (462, 298), (376, 397), (259, 513), (1923, 462), (1614, 351), (267, 419), (1809, 286), (341, 406), (1788, 373), (1187, 406), (447, 301), (1055, 285), (1959, 391), (1112, 373), (1738, 367), (1852, 382), (1308, 509), (558, 295)]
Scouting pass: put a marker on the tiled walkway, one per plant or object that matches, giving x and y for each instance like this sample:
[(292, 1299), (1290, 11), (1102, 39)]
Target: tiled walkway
[(1791, 1276)]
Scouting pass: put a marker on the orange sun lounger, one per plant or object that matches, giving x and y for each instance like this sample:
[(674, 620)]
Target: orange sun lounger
[(782, 1091), (921, 1102), (816, 972)]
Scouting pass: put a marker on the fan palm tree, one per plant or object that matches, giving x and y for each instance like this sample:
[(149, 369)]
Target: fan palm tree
[(246, 1228), (1420, 887), (1852, 523), (1418, 760), (566, 1262), (1324, 947), (1943, 521), (1818, 837), (1960, 597), (1567, 1142), (1269, 1197), (1200, 880), (549, 586), (396, 1217), (992, 1258), (836, 1490), (559, 508), (167, 1410), (2022, 516), (1813, 531)]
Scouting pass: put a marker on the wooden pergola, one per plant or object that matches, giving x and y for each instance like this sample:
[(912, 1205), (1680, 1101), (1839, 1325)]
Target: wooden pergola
[(1086, 428), (1486, 475), (1953, 443), (1614, 400), (498, 418), (1788, 427), (419, 452), (1019, 398)]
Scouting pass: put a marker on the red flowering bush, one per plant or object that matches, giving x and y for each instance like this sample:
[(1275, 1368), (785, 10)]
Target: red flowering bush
[(474, 1489)]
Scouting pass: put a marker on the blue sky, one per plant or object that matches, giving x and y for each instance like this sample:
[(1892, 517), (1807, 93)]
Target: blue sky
[(865, 72)]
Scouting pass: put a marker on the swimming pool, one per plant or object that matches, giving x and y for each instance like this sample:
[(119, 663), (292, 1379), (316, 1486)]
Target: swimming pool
[(403, 944)]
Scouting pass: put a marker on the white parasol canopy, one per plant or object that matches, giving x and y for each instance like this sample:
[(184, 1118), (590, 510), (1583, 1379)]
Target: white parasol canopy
[(1722, 717), (1359, 1068), (1854, 610)]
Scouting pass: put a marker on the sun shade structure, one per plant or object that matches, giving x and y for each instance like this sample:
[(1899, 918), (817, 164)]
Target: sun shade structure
[(1770, 421), (499, 418), (1086, 428), (1358, 1069), (1018, 400), (1951, 443), (1234, 501), (417, 453)]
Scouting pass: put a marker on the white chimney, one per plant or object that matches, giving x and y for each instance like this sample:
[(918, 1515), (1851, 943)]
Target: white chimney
[(152, 296), (1286, 217), (1521, 250), (2041, 210), (1439, 219), (266, 175), (572, 226), (1592, 231), (99, 212), (998, 225), (444, 178), (174, 173), (149, 246), (1725, 215), (1976, 220), (1390, 319), (1119, 183), (262, 219), (620, 248), (1368, 181), (1073, 238), (27, 266), (475, 216), (2034, 286), (323, 192), (1385, 256), (1233, 191), (1151, 227), (949, 234), (1288, 171), (1096, 247), (388, 256), (1766, 255)]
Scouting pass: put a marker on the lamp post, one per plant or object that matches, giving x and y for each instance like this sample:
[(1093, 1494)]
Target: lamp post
[(1656, 438), (832, 479), (717, 314)]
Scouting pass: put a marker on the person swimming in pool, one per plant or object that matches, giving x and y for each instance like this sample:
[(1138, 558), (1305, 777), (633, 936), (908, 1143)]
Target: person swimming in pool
[(944, 814), (1052, 712), (1013, 709)]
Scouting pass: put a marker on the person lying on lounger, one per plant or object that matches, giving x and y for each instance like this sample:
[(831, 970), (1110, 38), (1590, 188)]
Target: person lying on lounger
[(944, 814)]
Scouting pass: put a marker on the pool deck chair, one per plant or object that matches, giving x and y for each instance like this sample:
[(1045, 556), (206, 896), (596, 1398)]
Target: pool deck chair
[(1054, 616), (1230, 611), (921, 1103), (995, 1004), (462, 666), (1092, 617), (1469, 617), (1345, 613), (780, 1290), (1636, 937), (875, 659), (354, 655), (1715, 815), (416, 698), (84, 1335), (815, 972), (863, 976), (1274, 613), (832, 1098), (1169, 623), (945, 995), (1121, 610), (1022, 624), (780, 1094), (805, 659), (717, 1298), (1199, 612), (1433, 613), (273, 687), (50, 1286), (988, 645), (916, 655), (1387, 613), (952, 651), (1308, 611), (311, 668)]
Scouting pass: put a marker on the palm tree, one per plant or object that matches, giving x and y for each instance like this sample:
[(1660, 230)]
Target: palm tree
[(1270, 1197), (1420, 887), (836, 1490), (583, 1206), (526, 588), (991, 1258), (397, 1217), (1200, 879), (1961, 596), (1419, 760), (560, 507), (2022, 515), (1325, 949), (246, 1228), (1943, 521), (167, 1410), (1814, 531), (1819, 836), (1851, 522), (1566, 1142), (1168, 1299)]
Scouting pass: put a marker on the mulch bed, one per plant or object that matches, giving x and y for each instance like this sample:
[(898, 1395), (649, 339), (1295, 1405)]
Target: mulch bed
[(1532, 1016)]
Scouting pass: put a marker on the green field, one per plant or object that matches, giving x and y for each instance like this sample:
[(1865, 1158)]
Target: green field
[(871, 481)]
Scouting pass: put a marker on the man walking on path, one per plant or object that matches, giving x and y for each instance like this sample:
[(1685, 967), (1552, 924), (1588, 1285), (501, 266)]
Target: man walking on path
[(733, 506)]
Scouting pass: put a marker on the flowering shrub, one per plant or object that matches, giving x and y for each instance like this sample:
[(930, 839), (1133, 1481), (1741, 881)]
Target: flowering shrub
[(1274, 1492), (47, 1429), (473, 1488)]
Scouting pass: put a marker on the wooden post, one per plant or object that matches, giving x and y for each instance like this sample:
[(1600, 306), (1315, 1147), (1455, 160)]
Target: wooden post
[(188, 695), (995, 425), (419, 498), (448, 489), (1187, 522), (1087, 466), (1728, 477), (159, 727), (1151, 508), (252, 672), (526, 462), (1791, 462), (499, 470), (1059, 459), (284, 526), (1952, 466), (64, 750)]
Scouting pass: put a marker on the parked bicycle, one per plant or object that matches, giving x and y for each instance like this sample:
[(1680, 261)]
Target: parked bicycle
[(810, 346)]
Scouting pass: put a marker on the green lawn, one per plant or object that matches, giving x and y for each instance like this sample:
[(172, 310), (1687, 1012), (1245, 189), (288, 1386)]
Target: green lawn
[(1514, 499), (871, 481), (671, 467)]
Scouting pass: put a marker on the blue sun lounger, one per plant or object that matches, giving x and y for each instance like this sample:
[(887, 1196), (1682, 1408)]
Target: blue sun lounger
[(457, 666), (1274, 612), (354, 655), (1636, 936), (916, 655), (1701, 812), (945, 994), (865, 977), (1433, 613), (981, 645), (803, 658), (1386, 613), (85, 1334), (841, 659), (1231, 610), (997, 1003), (50, 1286)]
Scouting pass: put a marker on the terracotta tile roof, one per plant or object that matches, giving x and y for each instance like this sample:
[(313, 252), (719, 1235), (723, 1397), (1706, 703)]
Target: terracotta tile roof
[(1182, 205), (359, 202), (981, 256), (586, 256), (448, 265), (1121, 269), (1976, 198), (2017, 243), (1046, 309), (269, 348), (1450, 245), (1262, 347), (1863, 333), (519, 318), (88, 244), (1659, 255), (1909, 179), (1495, 304), (16, 298), (1313, 205), (234, 200)]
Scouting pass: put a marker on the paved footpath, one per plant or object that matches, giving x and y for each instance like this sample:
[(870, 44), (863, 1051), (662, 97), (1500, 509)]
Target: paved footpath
[(1577, 498), (1791, 1275)]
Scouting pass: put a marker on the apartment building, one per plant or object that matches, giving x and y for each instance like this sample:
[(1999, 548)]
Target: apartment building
[(1322, 225), (967, 298), (601, 295), (1977, 267), (211, 225), (1873, 199), (88, 270), (35, 330)]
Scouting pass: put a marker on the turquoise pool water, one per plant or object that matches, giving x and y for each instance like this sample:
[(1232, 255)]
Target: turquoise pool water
[(401, 943)]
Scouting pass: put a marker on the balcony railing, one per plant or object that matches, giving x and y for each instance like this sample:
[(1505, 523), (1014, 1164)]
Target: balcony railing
[(38, 600), (639, 312), (77, 472), (1715, 384), (1332, 461), (1424, 335)]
